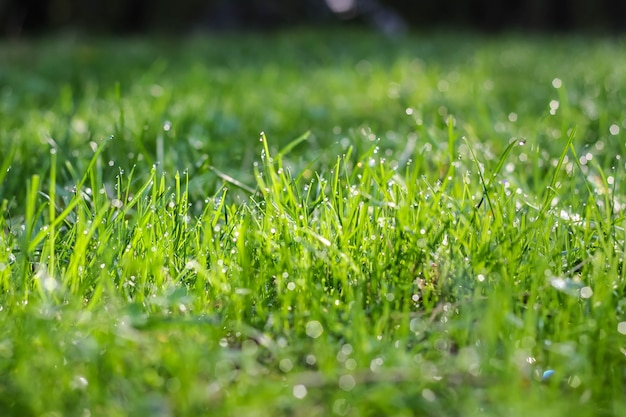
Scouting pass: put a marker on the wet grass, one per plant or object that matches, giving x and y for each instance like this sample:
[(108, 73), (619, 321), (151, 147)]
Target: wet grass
[(427, 226)]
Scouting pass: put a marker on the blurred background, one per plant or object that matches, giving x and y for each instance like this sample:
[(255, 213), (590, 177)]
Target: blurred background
[(35, 17)]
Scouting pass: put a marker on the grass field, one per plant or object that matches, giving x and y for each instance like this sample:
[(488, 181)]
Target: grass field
[(313, 224)]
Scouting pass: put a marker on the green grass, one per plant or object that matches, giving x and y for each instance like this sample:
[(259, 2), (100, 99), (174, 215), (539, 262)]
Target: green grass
[(425, 226)]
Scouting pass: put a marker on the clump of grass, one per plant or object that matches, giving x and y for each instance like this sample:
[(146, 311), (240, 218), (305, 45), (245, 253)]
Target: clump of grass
[(421, 271)]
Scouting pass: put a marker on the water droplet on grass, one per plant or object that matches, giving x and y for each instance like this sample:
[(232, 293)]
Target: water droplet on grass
[(375, 364), (428, 395), (314, 329), (554, 105), (299, 391), (341, 407), (285, 365), (347, 382), (586, 292)]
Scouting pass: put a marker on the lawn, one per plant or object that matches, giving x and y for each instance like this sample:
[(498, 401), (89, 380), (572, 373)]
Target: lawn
[(313, 224)]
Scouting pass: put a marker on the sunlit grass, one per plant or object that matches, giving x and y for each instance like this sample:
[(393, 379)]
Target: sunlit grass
[(426, 226)]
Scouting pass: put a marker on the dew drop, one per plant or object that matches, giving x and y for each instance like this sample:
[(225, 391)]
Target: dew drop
[(299, 391), (314, 329)]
